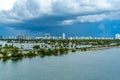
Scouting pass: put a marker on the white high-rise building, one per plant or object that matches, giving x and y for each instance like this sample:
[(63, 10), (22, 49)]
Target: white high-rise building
[(63, 36), (117, 36), (47, 36)]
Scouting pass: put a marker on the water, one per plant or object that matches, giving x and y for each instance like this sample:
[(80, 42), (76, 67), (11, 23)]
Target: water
[(91, 65)]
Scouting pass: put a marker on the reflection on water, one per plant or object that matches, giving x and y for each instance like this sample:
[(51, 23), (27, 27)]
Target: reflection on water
[(12, 60), (90, 65), (16, 60)]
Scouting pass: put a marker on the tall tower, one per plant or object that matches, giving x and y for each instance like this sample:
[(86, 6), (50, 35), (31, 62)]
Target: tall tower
[(47, 36), (117, 36), (63, 36)]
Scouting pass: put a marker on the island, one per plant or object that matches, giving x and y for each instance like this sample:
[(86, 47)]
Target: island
[(22, 48)]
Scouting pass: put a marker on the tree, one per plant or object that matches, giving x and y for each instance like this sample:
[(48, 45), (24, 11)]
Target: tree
[(36, 47)]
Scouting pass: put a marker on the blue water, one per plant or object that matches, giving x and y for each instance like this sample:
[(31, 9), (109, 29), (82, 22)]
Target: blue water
[(90, 65)]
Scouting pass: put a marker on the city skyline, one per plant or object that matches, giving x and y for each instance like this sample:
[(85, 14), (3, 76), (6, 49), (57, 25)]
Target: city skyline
[(94, 18), (62, 36)]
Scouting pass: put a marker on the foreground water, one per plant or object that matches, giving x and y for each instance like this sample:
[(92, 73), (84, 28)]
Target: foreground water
[(91, 65)]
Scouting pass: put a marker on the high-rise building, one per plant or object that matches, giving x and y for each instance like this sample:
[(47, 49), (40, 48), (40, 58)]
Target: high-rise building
[(117, 36), (47, 36), (63, 36), (22, 37)]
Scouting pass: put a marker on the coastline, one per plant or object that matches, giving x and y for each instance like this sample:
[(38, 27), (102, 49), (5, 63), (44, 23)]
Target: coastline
[(12, 49), (28, 55)]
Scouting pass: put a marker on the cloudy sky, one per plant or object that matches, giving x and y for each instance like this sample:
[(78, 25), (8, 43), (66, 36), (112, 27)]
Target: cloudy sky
[(73, 17)]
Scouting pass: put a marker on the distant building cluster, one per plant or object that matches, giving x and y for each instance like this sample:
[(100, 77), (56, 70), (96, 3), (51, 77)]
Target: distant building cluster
[(22, 37), (63, 36)]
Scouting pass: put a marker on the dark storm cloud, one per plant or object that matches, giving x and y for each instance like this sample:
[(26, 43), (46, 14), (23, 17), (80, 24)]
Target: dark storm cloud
[(57, 16)]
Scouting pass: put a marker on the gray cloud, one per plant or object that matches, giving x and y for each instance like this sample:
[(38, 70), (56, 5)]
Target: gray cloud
[(29, 9), (93, 18)]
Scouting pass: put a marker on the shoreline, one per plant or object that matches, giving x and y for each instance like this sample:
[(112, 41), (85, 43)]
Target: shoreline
[(59, 53)]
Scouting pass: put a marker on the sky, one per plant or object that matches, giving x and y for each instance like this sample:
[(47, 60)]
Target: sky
[(97, 18)]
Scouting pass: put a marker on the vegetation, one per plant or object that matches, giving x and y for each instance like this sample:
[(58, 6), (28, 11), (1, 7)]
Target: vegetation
[(58, 47)]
